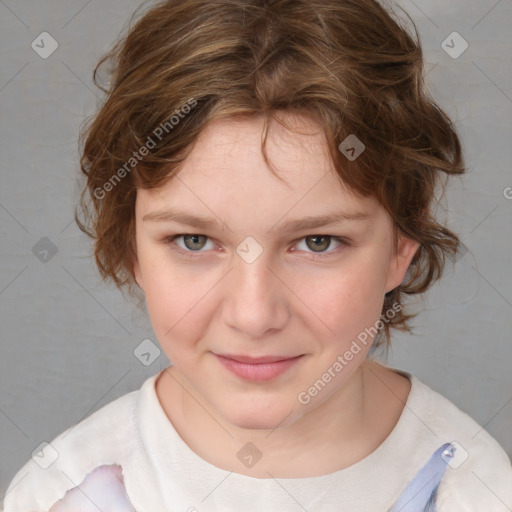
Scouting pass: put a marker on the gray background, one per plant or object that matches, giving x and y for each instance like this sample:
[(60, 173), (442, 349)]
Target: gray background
[(68, 341)]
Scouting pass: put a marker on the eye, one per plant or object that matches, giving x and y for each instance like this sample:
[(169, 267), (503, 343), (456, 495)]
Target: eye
[(319, 244), (194, 242)]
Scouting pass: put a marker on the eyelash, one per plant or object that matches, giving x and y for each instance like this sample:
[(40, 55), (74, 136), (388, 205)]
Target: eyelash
[(194, 254)]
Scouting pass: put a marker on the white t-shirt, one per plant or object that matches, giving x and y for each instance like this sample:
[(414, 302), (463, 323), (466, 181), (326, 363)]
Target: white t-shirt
[(130, 447)]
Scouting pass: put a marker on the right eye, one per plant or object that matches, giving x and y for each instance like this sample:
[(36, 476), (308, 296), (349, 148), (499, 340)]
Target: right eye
[(192, 242)]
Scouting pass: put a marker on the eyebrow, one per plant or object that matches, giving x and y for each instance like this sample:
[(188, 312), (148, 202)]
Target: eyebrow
[(310, 222)]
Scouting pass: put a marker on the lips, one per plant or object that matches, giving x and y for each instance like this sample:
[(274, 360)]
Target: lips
[(255, 369), (256, 360)]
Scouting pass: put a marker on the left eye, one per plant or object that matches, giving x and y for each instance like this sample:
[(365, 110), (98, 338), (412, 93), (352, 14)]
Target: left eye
[(313, 242), (321, 242)]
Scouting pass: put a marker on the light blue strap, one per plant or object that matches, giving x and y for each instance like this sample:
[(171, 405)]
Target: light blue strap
[(419, 495)]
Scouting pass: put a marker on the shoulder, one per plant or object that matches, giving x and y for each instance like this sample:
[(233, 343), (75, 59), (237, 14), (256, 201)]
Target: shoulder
[(101, 439), (479, 477)]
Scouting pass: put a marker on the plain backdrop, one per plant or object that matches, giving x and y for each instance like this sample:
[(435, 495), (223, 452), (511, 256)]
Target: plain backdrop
[(68, 340)]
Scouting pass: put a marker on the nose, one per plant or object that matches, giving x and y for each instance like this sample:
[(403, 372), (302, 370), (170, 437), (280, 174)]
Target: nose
[(256, 300)]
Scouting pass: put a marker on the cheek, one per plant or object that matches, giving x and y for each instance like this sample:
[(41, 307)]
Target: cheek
[(343, 303), (177, 303)]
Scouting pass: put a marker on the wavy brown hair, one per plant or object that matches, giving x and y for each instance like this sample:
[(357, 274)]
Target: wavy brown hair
[(350, 65)]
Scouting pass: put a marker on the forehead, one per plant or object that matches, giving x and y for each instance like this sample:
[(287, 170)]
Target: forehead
[(301, 140), (226, 170)]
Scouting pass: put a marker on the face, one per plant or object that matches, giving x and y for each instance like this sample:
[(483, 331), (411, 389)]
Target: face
[(250, 281)]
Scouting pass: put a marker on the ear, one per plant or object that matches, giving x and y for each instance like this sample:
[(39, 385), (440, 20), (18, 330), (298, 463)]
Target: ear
[(401, 260)]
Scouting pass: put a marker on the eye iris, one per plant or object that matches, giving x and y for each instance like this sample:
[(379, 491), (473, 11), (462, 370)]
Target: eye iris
[(316, 245), (194, 237)]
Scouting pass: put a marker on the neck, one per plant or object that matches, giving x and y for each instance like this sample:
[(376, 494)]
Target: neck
[(336, 434)]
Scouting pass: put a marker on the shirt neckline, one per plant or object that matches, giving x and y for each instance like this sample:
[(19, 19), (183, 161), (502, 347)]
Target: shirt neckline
[(166, 447)]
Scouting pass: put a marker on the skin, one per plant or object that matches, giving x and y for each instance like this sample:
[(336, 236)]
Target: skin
[(289, 301)]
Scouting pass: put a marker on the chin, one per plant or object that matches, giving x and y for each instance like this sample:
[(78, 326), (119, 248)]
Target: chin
[(254, 418), (250, 423)]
